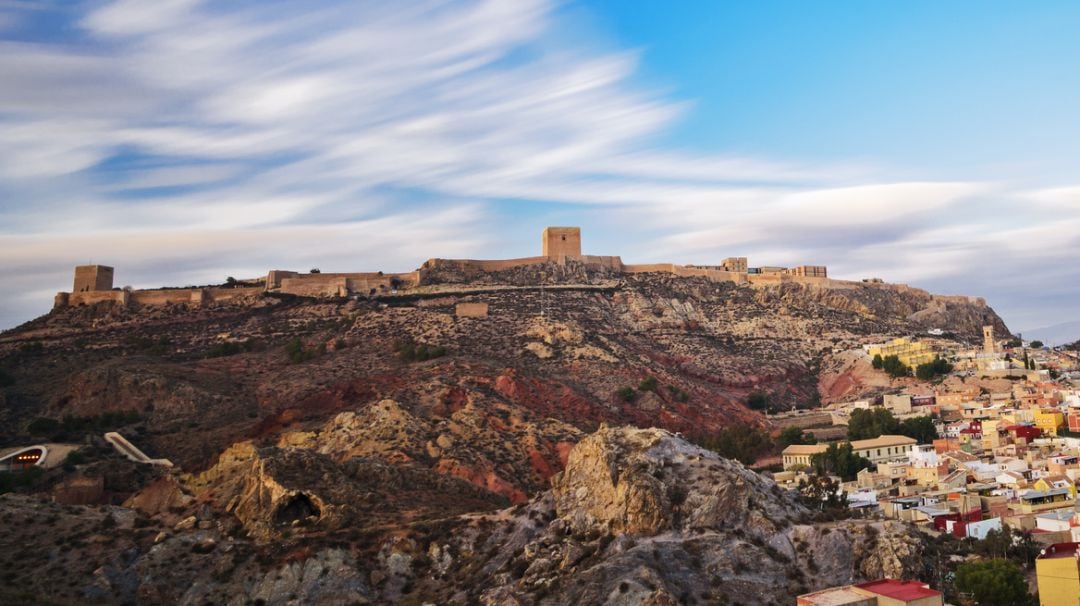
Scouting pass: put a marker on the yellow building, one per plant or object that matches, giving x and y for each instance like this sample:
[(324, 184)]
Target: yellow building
[(1050, 421), (1058, 574), (884, 448), (990, 437), (908, 351), (798, 456)]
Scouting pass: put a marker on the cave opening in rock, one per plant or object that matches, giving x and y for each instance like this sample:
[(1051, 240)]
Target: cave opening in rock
[(298, 507)]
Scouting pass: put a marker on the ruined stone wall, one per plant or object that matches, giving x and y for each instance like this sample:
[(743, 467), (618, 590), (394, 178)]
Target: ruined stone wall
[(89, 298), (810, 271), (225, 294), (962, 299), (611, 262), (341, 284), (274, 278), (682, 270), (315, 285), (173, 296)]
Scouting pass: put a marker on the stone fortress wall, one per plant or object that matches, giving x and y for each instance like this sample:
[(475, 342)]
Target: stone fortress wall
[(94, 283)]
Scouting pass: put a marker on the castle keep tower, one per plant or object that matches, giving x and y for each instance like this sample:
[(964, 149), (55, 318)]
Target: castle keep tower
[(93, 277), (562, 242), (988, 339)]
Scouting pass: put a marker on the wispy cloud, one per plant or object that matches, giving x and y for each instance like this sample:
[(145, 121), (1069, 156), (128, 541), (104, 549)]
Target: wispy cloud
[(186, 138)]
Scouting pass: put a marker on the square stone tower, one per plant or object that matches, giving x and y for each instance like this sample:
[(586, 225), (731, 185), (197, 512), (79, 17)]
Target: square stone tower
[(93, 277), (562, 242), (988, 339)]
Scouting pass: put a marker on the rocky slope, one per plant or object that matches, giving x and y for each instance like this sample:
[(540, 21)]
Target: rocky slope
[(359, 451), (638, 516)]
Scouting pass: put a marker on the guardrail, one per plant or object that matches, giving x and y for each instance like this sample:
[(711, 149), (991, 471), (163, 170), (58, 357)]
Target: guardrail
[(129, 450)]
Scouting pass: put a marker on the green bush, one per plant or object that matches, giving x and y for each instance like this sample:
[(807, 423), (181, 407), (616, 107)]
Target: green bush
[(410, 351), (840, 460), (73, 460), (742, 443), (794, 435), (649, 383), (626, 393), (993, 583), (929, 370), (757, 400), (297, 353), (895, 368)]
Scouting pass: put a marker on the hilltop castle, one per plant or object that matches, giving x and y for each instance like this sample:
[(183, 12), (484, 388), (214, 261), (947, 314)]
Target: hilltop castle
[(560, 245)]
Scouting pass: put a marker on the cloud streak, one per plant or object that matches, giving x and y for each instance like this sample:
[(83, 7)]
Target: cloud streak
[(189, 140)]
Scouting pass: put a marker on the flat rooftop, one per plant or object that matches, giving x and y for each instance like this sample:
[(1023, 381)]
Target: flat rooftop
[(1059, 550), (836, 596), (900, 590)]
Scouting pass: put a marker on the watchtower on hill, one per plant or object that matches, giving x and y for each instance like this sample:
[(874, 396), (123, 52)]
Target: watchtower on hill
[(562, 242), (90, 278), (988, 340)]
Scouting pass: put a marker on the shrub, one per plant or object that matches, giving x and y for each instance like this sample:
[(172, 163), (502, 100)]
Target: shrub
[(757, 400), (895, 368), (929, 370), (297, 353), (410, 351), (627, 393), (993, 582), (649, 383), (73, 459)]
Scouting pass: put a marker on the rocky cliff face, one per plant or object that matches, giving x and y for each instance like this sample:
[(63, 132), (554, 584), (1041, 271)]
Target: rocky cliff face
[(642, 517), (638, 516)]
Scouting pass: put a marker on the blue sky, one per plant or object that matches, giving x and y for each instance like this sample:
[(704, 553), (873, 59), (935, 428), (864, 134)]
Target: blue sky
[(182, 141)]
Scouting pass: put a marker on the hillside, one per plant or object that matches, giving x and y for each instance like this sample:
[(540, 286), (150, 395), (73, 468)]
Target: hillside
[(310, 432)]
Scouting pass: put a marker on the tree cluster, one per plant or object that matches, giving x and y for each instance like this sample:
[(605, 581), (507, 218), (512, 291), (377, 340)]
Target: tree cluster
[(891, 365), (929, 370), (866, 424), (757, 400), (744, 444), (993, 583), (822, 493), (794, 435), (839, 460)]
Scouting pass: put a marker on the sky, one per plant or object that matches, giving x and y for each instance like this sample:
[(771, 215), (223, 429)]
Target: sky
[(927, 143)]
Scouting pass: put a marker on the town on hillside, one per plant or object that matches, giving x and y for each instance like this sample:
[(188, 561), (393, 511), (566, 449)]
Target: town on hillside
[(992, 450)]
